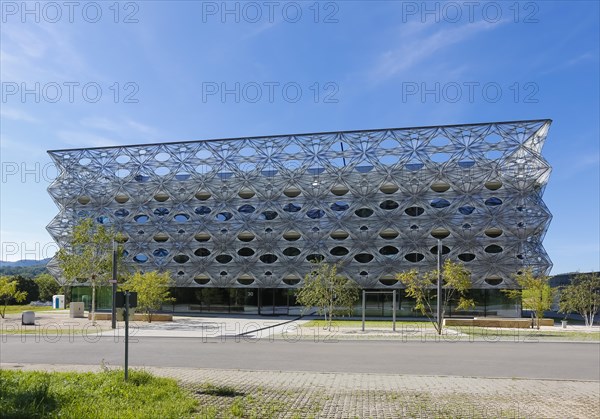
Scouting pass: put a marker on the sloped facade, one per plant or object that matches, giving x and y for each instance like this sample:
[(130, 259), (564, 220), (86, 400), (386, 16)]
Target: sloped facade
[(254, 212)]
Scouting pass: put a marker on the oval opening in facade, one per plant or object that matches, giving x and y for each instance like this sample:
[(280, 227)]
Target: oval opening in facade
[(202, 279), (440, 203), (440, 233), (493, 248), (140, 258), (203, 210), (493, 232), (202, 252), (121, 213), (364, 258), (466, 257), (246, 209), (202, 237), (268, 215), (363, 212), (315, 258), (339, 190), (84, 200), (291, 207), (493, 185), (445, 250), (291, 280), (160, 253), (161, 237), (339, 251), (181, 218), (291, 251), (388, 250), (388, 234), (292, 192), (246, 193), (440, 187), (245, 252), (245, 280), (389, 188), (268, 258), (141, 219), (339, 235), (414, 257), (291, 235), (223, 216), (493, 202), (121, 198), (181, 258), (315, 213), (388, 205), (202, 195), (224, 258), (414, 211), (339, 206), (246, 236), (161, 197), (493, 280)]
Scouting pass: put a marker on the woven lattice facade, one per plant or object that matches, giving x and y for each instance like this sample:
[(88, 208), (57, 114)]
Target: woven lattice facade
[(253, 212)]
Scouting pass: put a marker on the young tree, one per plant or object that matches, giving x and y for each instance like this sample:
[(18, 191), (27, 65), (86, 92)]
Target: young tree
[(9, 291), (456, 280), (331, 293), (152, 290), (89, 256), (47, 286), (582, 296), (536, 293)]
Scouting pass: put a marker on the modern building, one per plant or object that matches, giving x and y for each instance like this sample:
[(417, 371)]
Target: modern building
[(239, 221)]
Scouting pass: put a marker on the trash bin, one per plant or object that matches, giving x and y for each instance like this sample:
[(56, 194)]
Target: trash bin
[(564, 324), (28, 318)]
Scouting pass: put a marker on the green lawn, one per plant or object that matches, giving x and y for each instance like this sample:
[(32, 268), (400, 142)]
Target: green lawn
[(18, 309), (32, 394)]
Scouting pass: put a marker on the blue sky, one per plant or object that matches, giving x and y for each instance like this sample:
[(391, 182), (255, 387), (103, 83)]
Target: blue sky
[(162, 67)]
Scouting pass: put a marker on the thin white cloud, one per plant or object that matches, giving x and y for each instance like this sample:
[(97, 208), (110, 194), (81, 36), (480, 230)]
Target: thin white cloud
[(16, 115), (417, 44)]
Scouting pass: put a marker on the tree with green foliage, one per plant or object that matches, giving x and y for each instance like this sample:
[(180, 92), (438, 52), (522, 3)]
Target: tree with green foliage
[(331, 293), (456, 281), (28, 286), (47, 286), (88, 258), (9, 291), (582, 296), (536, 293), (152, 290)]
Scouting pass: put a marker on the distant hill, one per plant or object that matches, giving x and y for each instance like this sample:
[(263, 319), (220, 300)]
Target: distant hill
[(25, 263)]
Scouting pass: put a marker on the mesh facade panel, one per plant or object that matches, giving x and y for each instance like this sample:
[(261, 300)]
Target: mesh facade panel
[(255, 211)]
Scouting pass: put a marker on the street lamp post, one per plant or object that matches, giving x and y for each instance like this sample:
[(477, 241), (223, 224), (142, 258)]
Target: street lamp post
[(114, 285), (439, 286)]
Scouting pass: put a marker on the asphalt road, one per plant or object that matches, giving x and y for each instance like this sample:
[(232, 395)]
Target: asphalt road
[(579, 361)]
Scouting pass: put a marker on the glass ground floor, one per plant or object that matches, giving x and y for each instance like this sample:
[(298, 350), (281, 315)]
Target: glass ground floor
[(278, 301)]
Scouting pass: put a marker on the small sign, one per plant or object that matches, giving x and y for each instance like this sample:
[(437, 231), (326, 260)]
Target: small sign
[(112, 281), (120, 299)]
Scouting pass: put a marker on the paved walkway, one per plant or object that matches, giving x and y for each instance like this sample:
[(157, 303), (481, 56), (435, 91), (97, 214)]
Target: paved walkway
[(349, 395), (283, 327)]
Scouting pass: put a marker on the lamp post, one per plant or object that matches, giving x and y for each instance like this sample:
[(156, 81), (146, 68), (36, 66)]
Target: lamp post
[(114, 285), (439, 286)]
